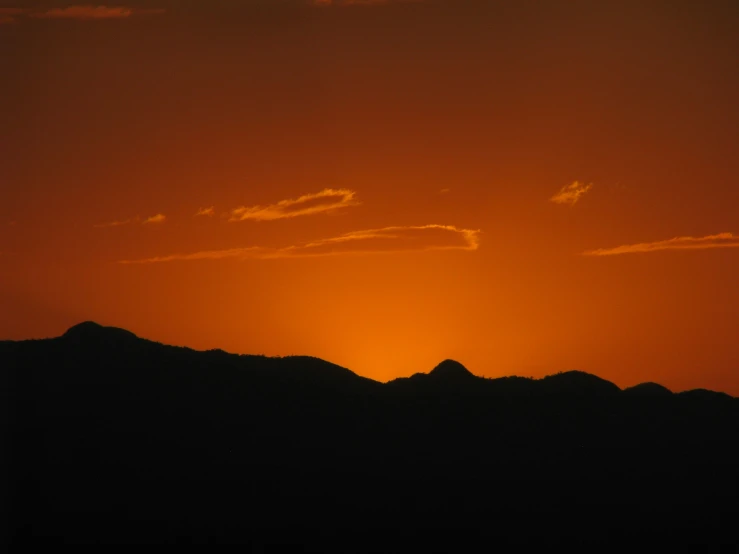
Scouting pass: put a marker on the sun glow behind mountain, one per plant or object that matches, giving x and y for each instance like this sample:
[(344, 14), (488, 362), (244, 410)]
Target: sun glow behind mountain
[(382, 184)]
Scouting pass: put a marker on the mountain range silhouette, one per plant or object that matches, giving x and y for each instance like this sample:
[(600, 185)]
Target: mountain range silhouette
[(116, 439)]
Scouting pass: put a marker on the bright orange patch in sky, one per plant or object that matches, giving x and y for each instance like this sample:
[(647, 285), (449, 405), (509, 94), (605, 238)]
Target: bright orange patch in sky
[(381, 184)]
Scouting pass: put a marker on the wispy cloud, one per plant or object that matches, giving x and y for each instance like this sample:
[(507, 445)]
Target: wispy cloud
[(369, 241), (208, 212), (722, 240), (158, 218), (444, 191), (328, 200), (119, 223), (328, 3), (570, 194), (76, 12), (9, 15)]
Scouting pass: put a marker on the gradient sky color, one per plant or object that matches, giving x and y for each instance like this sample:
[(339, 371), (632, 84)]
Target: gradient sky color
[(526, 187)]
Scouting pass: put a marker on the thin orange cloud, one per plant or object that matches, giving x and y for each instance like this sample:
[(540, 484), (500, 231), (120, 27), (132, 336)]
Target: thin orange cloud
[(722, 240), (209, 212), (158, 218), (117, 223), (369, 241), (328, 200), (77, 12), (328, 3), (9, 15), (570, 194)]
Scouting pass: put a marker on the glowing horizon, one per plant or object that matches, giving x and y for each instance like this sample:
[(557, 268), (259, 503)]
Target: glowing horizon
[(383, 184)]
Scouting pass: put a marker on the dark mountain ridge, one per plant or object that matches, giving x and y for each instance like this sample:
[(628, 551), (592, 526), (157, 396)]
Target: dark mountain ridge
[(648, 389), (114, 438), (93, 338), (89, 331)]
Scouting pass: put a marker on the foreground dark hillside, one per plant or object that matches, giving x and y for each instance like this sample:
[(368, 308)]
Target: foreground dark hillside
[(112, 439)]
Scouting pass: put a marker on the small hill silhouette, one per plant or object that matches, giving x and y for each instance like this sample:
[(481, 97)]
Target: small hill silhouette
[(578, 382), (704, 395), (91, 332), (450, 369), (117, 439), (649, 390)]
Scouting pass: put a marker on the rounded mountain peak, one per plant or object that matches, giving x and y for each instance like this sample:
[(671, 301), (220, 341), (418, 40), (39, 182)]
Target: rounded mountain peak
[(648, 389), (451, 369), (91, 331), (578, 382)]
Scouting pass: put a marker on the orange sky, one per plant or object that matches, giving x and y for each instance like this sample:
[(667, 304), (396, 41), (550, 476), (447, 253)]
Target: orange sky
[(380, 184)]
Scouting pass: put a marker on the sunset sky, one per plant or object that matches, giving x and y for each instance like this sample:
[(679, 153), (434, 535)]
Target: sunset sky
[(524, 186)]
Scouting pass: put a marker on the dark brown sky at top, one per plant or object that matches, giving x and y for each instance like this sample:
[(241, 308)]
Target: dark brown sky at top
[(119, 125)]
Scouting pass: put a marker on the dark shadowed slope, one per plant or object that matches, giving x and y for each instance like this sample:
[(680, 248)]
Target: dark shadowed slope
[(114, 438)]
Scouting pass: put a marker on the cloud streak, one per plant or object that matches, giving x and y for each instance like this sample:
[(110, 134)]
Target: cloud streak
[(369, 241), (208, 212), (116, 223), (76, 12), (155, 219), (570, 194), (328, 200), (10, 15), (329, 3), (721, 240)]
